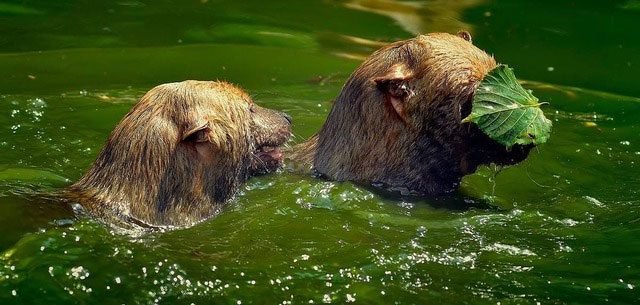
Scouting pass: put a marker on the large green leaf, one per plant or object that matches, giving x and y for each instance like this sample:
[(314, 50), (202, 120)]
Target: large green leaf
[(506, 112)]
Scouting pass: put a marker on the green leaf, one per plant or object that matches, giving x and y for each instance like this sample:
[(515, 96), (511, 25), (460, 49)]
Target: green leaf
[(506, 112)]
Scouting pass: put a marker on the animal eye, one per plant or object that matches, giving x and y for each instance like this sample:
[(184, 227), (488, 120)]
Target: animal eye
[(199, 136), (252, 109), (465, 35)]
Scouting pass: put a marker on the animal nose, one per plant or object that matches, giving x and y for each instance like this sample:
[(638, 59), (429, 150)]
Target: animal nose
[(288, 117)]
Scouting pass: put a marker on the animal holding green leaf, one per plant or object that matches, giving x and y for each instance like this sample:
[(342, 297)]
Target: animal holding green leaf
[(506, 112)]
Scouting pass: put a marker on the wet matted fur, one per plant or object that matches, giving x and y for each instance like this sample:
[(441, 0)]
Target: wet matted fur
[(180, 154), (397, 122)]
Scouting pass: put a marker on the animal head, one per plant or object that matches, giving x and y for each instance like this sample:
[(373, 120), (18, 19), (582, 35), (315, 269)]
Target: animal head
[(182, 151), (398, 119)]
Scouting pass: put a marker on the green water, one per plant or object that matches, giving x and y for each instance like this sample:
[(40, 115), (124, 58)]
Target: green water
[(563, 227)]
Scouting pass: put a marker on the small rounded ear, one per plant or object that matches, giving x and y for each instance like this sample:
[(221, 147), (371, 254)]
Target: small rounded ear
[(395, 87), (198, 134), (465, 35), (200, 137)]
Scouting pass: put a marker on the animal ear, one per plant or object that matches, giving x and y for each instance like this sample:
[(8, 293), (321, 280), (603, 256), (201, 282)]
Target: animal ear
[(198, 134), (396, 88), (202, 134), (465, 35)]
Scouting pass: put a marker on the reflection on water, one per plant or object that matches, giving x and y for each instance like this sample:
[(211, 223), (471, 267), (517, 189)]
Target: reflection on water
[(418, 17)]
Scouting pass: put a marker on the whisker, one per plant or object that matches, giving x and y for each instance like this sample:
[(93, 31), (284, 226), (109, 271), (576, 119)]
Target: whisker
[(526, 170)]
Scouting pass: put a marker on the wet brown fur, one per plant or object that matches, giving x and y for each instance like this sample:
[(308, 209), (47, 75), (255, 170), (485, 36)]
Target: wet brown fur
[(179, 155), (397, 121)]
